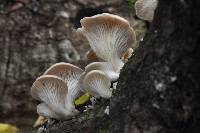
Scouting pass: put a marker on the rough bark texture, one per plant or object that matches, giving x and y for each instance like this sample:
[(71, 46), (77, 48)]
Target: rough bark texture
[(158, 90)]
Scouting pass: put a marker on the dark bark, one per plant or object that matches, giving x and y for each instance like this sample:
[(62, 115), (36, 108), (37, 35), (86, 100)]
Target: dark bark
[(158, 90)]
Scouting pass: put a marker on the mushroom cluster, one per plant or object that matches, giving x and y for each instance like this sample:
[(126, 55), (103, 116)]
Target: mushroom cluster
[(111, 39)]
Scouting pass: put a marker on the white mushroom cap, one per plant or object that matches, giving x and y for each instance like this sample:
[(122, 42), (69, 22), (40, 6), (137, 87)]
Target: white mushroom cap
[(98, 84), (70, 74), (109, 37), (105, 67), (53, 91), (145, 9)]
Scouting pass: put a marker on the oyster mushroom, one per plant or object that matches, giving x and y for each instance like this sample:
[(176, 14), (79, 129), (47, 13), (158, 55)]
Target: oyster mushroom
[(71, 75), (145, 9), (52, 92), (104, 67), (109, 37), (97, 84)]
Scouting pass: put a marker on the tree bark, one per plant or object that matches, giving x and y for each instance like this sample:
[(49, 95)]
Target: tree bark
[(158, 90)]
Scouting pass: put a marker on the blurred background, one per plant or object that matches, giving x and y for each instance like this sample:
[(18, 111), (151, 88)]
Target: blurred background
[(36, 34)]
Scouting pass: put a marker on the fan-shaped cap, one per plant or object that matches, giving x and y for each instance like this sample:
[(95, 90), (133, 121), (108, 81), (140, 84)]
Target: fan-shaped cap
[(109, 36), (51, 90), (66, 71), (105, 67), (70, 74), (98, 84), (145, 9)]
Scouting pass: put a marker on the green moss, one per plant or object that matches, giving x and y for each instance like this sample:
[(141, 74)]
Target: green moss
[(131, 3), (87, 115)]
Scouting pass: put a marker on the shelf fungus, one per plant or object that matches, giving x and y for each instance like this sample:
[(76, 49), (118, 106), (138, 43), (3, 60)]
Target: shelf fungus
[(109, 36), (145, 9)]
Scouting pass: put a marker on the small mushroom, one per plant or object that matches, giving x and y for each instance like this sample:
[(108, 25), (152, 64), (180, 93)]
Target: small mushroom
[(52, 91), (145, 9), (71, 75), (109, 37), (97, 84), (105, 67)]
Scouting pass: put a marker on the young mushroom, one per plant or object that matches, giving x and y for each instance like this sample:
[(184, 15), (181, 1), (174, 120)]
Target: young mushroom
[(97, 84), (145, 9), (109, 37), (104, 67), (52, 92)]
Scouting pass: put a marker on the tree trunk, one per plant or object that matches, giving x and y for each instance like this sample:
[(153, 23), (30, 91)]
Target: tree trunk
[(158, 89)]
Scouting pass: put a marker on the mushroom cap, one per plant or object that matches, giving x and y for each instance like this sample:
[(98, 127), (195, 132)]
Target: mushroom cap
[(109, 36), (97, 84), (105, 67), (50, 89), (70, 74), (66, 71), (53, 91), (145, 9)]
